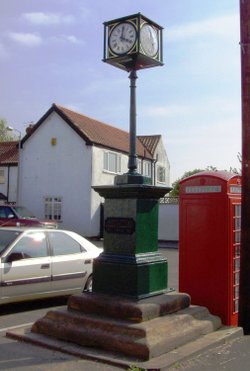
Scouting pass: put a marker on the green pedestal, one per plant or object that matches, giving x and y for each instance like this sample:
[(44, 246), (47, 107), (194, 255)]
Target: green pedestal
[(130, 264)]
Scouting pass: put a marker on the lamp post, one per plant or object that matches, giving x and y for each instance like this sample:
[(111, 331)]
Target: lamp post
[(10, 128)]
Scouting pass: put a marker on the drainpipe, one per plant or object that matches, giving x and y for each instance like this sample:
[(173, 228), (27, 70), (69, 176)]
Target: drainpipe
[(8, 183), (154, 166)]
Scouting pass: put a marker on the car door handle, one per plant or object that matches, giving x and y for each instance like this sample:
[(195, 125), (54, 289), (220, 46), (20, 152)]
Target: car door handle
[(88, 261), (45, 266)]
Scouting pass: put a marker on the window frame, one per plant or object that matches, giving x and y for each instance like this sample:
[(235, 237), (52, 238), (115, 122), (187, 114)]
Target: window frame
[(2, 176), (147, 169), (107, 156), (161, 174), (53, 206)]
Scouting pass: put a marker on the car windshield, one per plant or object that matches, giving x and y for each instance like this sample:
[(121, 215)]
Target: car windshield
[(22, 212), (6, 238)]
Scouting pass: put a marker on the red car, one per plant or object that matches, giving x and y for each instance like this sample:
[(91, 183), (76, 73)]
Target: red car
[(19, 216)]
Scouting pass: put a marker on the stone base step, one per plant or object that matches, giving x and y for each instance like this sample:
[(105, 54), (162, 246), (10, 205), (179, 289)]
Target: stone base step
[(140, 339)]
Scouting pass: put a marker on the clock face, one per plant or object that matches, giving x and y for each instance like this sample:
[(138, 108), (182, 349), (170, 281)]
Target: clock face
[(149, 40), (122, 38)]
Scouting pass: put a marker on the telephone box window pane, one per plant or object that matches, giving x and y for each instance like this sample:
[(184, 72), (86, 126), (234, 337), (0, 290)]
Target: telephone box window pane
[(236, 292), (237, 223), (236, 306), (238, 210), (236, 264), (237, 278), (237, 236), (237, 251)]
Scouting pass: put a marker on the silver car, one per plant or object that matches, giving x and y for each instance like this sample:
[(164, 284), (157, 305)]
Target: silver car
[(39, 263)]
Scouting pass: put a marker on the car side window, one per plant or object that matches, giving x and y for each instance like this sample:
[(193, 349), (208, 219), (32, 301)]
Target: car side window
[(9, 213), (33, 245), (2, 212), (63, 244), (6, 212)]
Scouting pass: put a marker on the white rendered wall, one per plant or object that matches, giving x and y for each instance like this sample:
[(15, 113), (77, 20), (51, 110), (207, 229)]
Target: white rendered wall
[(162, 160), (12, 197), (61, 170)]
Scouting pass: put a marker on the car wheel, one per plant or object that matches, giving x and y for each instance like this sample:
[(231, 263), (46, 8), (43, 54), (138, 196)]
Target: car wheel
[(88, 286)]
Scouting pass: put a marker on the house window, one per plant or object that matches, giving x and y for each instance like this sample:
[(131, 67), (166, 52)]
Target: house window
[(139, 169), (161, 174), (112, 162), (2, 178), (147, 168), (53, 208)]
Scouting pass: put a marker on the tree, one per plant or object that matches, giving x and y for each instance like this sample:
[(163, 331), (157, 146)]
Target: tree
[(234, 169), (5, 135), (176, 185)]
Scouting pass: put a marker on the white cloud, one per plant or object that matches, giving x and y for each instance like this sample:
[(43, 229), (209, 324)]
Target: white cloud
[(205, 107), (225, 26), (27, 39), (66, 38), (84, 12), (168, 110), (73, 39), (40, 18)]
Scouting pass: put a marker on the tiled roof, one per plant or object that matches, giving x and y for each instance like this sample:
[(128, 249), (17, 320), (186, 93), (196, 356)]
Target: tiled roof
[(9, 153), (102, 134), (94, 131), (150, 142)]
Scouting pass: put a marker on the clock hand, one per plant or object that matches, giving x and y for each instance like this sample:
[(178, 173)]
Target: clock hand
[(127, 40), (122, 35)]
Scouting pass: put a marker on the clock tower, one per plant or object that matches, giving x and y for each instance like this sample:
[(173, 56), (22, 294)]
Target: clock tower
[(130, 265)]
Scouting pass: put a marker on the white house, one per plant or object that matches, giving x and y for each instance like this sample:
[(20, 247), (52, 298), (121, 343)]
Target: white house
[(8, 171), (66, 153)]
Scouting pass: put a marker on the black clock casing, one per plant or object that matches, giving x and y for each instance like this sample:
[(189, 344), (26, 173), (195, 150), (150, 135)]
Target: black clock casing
[(133, 43)]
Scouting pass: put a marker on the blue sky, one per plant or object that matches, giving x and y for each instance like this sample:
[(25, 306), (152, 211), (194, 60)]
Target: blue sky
[(51, 52)]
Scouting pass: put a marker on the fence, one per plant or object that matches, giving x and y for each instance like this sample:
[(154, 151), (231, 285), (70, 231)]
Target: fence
[(168, 229)]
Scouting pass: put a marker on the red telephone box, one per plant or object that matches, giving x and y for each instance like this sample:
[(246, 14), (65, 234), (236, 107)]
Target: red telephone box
[(209, 242)]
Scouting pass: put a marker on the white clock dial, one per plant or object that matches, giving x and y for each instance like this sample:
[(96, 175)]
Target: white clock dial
[(122, 38), (149, 40)]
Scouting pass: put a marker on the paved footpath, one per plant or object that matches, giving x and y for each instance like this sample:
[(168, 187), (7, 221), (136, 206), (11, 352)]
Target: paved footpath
[(20, 356), (232, 356), (26, 357)]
